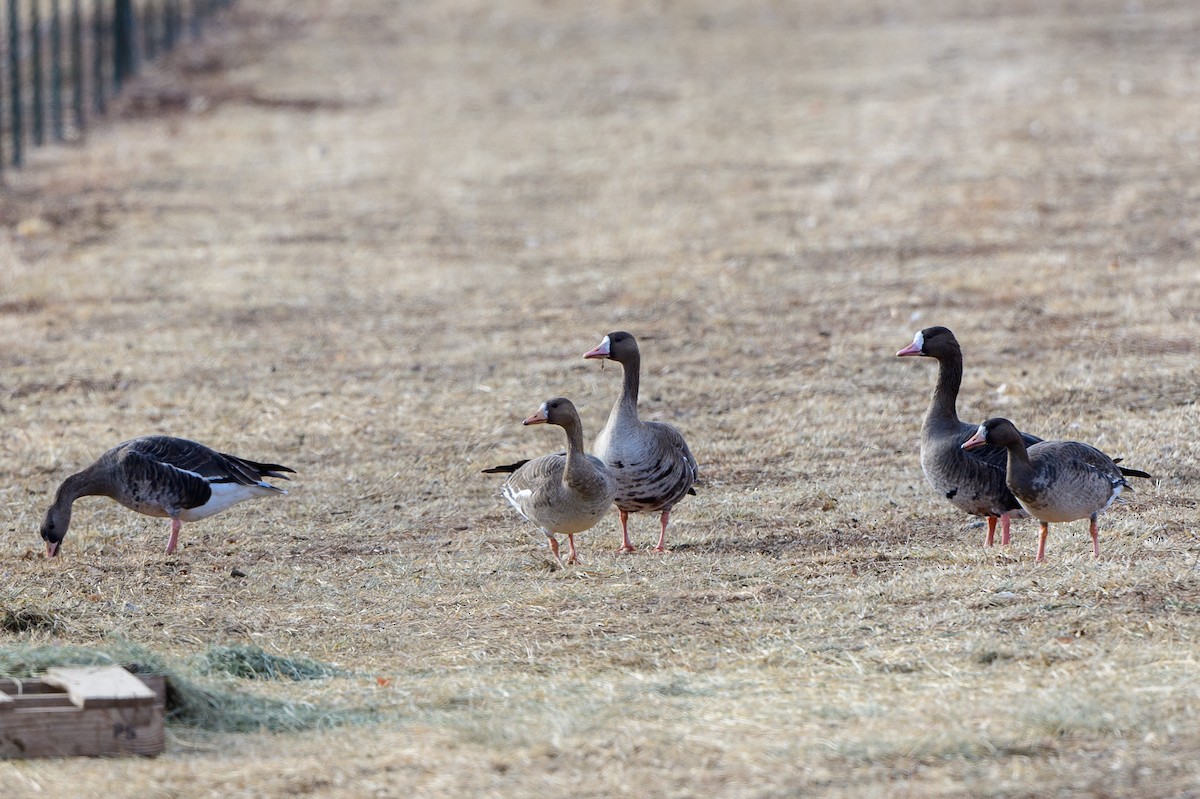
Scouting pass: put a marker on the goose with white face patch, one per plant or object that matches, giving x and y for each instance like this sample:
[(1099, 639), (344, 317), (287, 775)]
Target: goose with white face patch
[(162, 476), (650, 460), (1056, 481), (564, 493), (972, 481)]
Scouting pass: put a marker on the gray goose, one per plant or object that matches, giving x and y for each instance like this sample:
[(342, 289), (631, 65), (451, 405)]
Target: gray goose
[(972, 481), (165, 477), (564, 493), (1056, 481), (650, 460)]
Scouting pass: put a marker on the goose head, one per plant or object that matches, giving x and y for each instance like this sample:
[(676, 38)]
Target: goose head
[(999, 432), (934, 342), (54, 527), (619, 346), (558, 411)]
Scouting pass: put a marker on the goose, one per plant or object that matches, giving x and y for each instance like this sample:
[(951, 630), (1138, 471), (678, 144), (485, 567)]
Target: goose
[(165, 477), (1056, 481), (651, 462), (973, 481), (564, 493)]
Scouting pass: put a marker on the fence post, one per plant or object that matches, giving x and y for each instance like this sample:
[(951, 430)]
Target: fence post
[(123, 42), (3, 110), (99, 101), (37, 73), (77, 65), (149, 32), (171, 34), (14, 79), (56, 70)]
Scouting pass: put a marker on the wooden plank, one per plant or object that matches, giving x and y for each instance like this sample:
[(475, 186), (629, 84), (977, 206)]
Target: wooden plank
[(100, 686), (6, 702), (14, 688), (21, 687), (34, 701), (67, 732)]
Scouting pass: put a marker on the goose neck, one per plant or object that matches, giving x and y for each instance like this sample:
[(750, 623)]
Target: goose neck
[(575, 455), (1020, 468), (629, 391), (82, 484), (945, 392)]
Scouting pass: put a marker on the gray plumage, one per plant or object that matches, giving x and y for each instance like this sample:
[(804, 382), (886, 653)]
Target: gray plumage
[(651, 461), (165, 477), (1056, 481), (973, 481), (565, 493)]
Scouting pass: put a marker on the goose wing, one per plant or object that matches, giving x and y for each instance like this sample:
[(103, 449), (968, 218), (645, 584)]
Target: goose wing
[(672, 443), (527, 488), (146, 478), (194, 459), (213, 466)]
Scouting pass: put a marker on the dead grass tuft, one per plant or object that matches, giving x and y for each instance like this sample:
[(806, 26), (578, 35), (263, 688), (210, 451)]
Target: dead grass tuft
[(27, 620)]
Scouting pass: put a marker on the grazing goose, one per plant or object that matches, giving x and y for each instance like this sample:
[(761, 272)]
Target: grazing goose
[(972, 481), (1056, 481), (564, 493), (652, 463), (162, 476)]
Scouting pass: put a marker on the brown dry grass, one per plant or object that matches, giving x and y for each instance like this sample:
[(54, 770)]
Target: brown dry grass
[(370, 247)]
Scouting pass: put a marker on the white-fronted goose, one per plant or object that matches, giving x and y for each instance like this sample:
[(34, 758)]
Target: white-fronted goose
[(165, 477), (650, 460), (972, 481), (1056, 481), (564, 493)]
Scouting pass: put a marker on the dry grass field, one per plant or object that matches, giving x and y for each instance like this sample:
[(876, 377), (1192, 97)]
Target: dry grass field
[(366, 239)]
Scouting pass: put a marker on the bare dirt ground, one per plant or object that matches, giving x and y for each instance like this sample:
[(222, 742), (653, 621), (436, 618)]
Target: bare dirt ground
[(366, 239)]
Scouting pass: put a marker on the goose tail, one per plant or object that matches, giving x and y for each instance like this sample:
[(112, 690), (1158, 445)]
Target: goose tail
[(505, 469), (1132, 472), (265, 469)]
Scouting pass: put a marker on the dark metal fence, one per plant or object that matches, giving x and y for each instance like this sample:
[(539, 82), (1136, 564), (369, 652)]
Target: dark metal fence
[(62, 61)]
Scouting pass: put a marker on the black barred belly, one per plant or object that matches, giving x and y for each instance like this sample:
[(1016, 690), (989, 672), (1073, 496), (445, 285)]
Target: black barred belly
[(650, 486)]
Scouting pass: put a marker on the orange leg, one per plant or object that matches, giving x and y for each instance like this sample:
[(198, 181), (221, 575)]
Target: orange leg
[(174, 539), (662, 537), (1043, 531), (554, 548), (1095, 538), (991, 538), (573, 557), (1005, 522), (626, 546)]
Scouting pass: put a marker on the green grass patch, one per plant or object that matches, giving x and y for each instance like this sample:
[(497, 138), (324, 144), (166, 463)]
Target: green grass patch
[(249, 662), (214, 705)]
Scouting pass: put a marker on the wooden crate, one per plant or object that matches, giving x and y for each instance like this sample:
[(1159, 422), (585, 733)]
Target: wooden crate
[(91, 710)]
